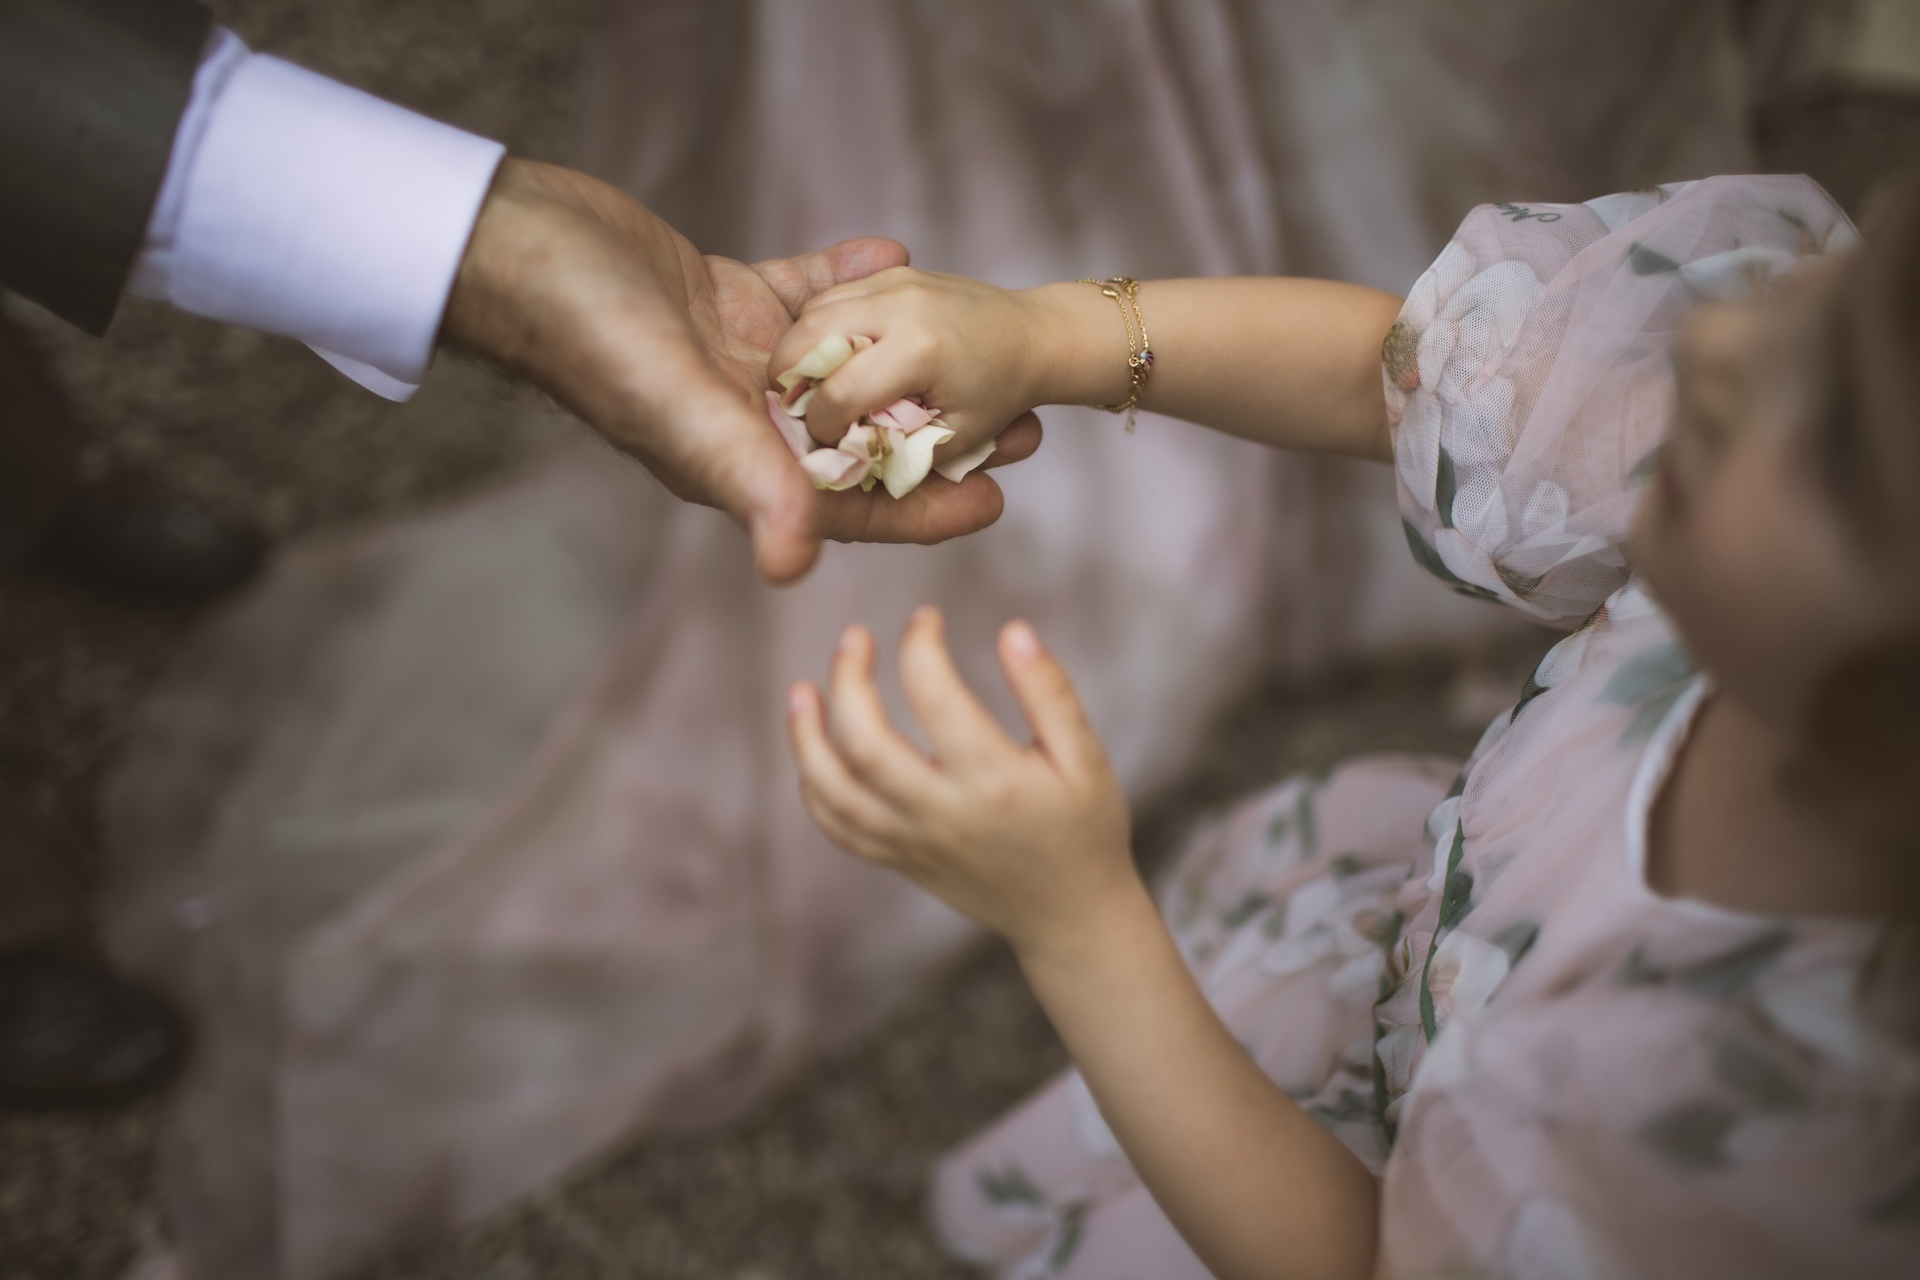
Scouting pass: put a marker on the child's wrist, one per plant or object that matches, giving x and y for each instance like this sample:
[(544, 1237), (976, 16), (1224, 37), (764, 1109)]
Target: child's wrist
[(1080, 347), (1065, 950)]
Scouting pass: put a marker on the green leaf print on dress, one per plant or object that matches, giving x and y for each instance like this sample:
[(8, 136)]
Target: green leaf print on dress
[(1644, 260), (1761, 1088), (1718, 977), (1430, 560), (1010, 1187), (1652, 682), (1691, 1134)]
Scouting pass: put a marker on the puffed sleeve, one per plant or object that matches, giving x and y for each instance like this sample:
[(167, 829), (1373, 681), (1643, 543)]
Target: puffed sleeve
[(1529, 382)]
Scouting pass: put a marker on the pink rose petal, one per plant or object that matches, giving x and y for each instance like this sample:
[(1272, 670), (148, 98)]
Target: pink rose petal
[(791, 429)]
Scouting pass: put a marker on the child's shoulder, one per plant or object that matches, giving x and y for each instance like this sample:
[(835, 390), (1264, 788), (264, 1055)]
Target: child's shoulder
[(1528, 379)]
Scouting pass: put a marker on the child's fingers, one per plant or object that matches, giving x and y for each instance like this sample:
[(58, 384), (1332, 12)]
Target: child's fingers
[(964, 733), (1060, 725), (846, 810), (879, 757), (878, 282), (899, 363)]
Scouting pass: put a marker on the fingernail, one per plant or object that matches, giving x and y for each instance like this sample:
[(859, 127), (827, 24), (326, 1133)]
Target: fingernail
[(846, 639), (925, 614), (1022, 640), (797, 699)]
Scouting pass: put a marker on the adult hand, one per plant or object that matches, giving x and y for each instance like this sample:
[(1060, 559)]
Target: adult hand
[(586, 293)]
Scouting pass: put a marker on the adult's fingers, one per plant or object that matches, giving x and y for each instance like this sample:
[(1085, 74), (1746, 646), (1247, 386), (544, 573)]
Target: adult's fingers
[(1020, 441), (798, 280), (852, 815), (705, 443), (868, 742), (1059, 720), (934, 512), (963, 732)]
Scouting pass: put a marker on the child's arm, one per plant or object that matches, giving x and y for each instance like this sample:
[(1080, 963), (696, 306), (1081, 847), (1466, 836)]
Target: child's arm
[(1032, 842), (1285, 362)]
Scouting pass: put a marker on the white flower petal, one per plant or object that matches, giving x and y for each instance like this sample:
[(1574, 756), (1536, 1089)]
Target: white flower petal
[(1399, 1051), (1449, 272), (1546, 511), (1448, 1061), (864, 441), (910, 457), (835, 469), (1466, 560), (790, 428), (1311, 903), (798, 405), (1359, 976), (903, 415), (1562, 661), (1466, 971), (1818, 1009), (957, 467), (1417, 445), (1738, 274), (1505, 292), (1440, 825), (1480, 425), (1549, 1242), (1435, 352), (1291, 955), (827, 355), (1479, 507)]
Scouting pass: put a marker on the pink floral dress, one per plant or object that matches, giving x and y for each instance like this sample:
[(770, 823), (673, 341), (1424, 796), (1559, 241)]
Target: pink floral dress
[(1561, 1074)]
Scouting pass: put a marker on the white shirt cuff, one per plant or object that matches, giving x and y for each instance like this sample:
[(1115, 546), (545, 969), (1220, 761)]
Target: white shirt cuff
[(300, 206)]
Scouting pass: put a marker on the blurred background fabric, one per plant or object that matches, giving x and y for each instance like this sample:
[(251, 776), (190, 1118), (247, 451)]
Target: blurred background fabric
[(445, 702)]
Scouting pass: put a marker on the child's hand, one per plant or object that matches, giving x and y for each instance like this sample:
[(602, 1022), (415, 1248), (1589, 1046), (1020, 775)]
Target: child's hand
[(969, 349), (1030, 841)]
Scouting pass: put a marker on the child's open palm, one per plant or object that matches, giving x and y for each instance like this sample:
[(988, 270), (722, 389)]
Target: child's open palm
[(1029, 841)]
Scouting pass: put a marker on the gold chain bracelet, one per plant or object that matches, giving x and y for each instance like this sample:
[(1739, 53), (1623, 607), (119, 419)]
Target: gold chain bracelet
[(1125, 292)]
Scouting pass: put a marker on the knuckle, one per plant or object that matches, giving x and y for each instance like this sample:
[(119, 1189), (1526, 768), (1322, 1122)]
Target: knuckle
[(995, 791), (922, 345), (866, 757)]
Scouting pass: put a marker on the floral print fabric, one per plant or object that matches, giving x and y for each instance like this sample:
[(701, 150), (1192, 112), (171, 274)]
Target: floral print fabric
[(1463, 973), (1528, 379)]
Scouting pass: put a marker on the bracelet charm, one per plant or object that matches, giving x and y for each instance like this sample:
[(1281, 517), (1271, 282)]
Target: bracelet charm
[(1125, 292)]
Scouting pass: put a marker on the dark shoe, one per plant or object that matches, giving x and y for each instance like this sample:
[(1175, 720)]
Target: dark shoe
[(76, 1036), (129, 539)]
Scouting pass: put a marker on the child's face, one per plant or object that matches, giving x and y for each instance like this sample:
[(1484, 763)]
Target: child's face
[(1743, 536)]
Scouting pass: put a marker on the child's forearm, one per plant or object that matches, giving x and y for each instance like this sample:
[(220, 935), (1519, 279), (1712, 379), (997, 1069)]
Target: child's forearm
[(1285, 362), (1255, 1185)]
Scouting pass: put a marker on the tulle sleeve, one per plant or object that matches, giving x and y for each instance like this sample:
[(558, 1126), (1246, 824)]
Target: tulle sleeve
[(1528, 378)]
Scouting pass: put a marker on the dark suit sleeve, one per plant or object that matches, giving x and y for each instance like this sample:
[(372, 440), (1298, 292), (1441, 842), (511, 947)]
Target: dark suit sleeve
[(91, 92)]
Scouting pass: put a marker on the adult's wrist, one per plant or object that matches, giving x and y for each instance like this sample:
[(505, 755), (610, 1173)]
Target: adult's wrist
[(479, 317)]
